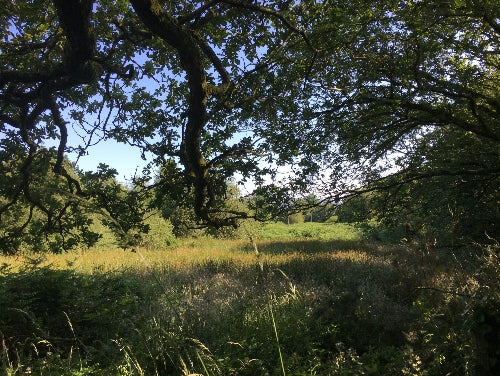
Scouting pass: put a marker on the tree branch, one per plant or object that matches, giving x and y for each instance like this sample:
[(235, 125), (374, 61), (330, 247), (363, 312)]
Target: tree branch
[(198, 12), (59, 167), (182, 39), (273, 13)]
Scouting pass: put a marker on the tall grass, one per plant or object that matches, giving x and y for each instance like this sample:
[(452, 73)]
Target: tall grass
[(339, 307)]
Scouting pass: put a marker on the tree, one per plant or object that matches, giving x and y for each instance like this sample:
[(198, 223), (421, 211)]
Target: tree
[(175, 199), (454, 197), (357, 96), (38, 213), (41, 214), (122, 209), (174, 79), (404, 99)]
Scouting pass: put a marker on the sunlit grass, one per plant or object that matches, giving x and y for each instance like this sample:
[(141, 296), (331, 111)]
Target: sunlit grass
[(237, 252), (311, 230), (202, 306), (115, 259), (277, 238)]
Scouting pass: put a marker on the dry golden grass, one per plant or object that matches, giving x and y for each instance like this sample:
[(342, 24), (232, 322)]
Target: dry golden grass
[(115, 259), (191, 253)]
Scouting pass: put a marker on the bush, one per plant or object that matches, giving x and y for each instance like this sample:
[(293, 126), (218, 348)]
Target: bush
[(332, 219), (160, 234), (247, 227), (296, 218)]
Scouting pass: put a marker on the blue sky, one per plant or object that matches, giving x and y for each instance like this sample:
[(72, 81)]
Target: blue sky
[(124, 158)]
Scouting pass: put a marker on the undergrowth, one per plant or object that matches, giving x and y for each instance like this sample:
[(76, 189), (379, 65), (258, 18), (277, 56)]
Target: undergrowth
[(311, 307)]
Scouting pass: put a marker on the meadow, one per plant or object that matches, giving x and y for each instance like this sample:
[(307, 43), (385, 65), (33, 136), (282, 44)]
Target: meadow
[(304, 299)]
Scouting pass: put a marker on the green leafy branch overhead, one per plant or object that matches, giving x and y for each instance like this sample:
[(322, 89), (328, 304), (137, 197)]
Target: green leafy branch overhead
[(351, 96)]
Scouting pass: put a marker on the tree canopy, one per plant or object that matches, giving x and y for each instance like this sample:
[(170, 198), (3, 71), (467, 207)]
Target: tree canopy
[(407, 98), (397, 96)]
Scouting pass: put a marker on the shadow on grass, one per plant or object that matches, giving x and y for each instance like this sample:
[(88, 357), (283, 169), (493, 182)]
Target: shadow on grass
[(54, 312)]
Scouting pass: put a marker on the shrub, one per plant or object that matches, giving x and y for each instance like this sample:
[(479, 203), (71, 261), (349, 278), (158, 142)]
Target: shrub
[(332, 219), (160, 234), (296, 218)]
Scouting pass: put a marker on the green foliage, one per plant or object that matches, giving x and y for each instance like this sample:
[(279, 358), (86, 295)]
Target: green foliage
[(40, 216), (405, 102), (109, 213), (295, 218), (332, 219), (323, 231), (271, 202), (160, 234), (323, 213), (60, 320), (77, 62), (432, 315), (453, 208), (123, 209), (438, 155), (355, 209), (176, 203)]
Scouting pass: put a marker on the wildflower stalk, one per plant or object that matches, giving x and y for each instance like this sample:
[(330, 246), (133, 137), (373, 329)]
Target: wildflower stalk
[(277, 338)]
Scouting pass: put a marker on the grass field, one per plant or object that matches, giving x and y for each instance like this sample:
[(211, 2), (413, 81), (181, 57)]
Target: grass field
[(315, 300)]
